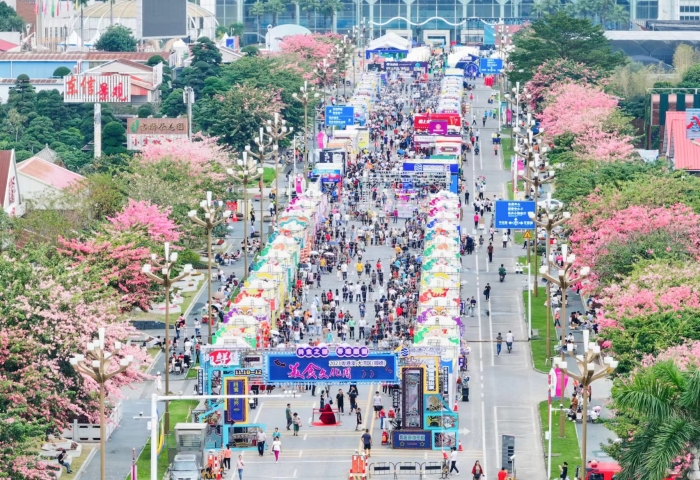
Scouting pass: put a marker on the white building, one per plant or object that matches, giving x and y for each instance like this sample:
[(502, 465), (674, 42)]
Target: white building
[(10, 196), (40, 180)]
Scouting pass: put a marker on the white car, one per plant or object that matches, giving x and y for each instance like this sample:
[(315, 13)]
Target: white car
[(550, 204)]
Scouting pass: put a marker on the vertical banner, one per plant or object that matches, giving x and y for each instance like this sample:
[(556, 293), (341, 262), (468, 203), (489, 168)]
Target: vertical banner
[(200, 381), (237, 408), (412, 389)]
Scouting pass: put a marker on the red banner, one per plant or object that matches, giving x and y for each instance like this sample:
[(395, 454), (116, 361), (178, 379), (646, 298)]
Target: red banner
[(421, 122)]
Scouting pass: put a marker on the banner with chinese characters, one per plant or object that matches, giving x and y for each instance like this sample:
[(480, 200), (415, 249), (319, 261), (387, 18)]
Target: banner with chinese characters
[(86, 88), (146, 131), (343, 363), (237, 408)]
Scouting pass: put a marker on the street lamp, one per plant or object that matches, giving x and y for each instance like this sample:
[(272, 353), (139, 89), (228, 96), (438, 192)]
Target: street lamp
[(321, 72), (166, 269), (277, 130), (245, 171), (549, 222), (564, 279), (586, 375), (307, 95), (97, 364), (260, 155), (211, 211)]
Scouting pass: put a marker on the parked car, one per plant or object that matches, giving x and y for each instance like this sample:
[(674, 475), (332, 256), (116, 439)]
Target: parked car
[(185, 467)]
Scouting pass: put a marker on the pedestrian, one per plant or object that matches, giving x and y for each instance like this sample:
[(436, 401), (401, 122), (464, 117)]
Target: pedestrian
[(377, 404), (197, 327), (505, 239), (296, 420), (261, 442), (563, 470), (453, 460), (503, 474), (487, 292), (509, 341), (227, 457), (367, 442), (477, 471), (276, 434), (288, 413), (276, 449), (499, 340), (489, 250), (495, 149), (340, 400), (358, 426), (159, 383), (352, 395), (476, 220), (62, 460), (239, 467)]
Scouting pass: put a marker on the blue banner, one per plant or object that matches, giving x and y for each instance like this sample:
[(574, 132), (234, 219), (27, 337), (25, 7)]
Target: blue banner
[(514, 214), (430, 167), (340, 116), (237, 408), (491, 65), (373, 367), (471, 69)]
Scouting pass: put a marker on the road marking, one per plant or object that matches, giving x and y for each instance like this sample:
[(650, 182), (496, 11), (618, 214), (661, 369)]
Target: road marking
[(491, 337), (300, 452), (483, 432), (495, 432), (255, 420), (305, 436)]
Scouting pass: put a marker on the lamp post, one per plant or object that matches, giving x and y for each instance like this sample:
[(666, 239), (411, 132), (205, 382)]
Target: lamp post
[(97, 364), (586, 375), (211, 211), (321, 72), (277, 130), (564, 279), (245, 171), (307, 95), (260, 155), (549, 222), (166, 269)]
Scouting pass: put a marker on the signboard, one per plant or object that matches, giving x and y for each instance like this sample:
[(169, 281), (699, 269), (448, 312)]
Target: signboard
[(97, 89), (223, 358), (395, 398), (161, 18), (414, 439), (340, 116), (692, 124), (332, 176), (430, 167), (471, 70), (437, 127), (420, 351), (408, 67), (237, 408), (431, 371), (332, 156), (423, 139), (344, 363), (444, 380), (491, 65), (421, 123), (145, 131), (200, 381), (514, 214), (248, 372)]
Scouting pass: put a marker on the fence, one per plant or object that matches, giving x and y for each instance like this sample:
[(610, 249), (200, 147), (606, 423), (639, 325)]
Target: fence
[(90, 432), (407, 468)]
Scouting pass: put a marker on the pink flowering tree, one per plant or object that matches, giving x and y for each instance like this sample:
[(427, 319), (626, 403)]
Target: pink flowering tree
[(312, 47), (203, 156), (558, 71), (148, 219), (585, 113)]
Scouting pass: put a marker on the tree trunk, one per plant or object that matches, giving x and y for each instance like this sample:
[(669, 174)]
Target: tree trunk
[(82, 31), (274, 19), (308, 19), (258, 39)]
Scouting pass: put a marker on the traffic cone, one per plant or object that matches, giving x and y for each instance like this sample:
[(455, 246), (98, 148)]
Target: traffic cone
[(455, 409), (460, 446)]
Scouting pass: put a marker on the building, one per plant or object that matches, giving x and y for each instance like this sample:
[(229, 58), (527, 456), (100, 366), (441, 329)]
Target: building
[(39, 84), (40, 180), (681, 152), (10, 196)]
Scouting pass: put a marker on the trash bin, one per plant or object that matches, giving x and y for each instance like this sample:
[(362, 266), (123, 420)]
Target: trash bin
[(465, 389)]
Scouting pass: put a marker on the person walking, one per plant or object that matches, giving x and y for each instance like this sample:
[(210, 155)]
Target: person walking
[(504, 239), (358, 426), (277, 448), (352, 395), (261, 442), (453, 460), (340, 400), (477, 471), (296, 420), (489, 250), (499, 340), (509, 341), (367, 442), (288, 413), (239, 466), (377, 402), (503, 474), (487, 292), (227, 457), (159, 383)]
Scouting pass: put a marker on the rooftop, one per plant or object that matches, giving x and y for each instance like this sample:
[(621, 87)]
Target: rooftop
[(5, 165), (685, 152), (140, 57), (48, 173)]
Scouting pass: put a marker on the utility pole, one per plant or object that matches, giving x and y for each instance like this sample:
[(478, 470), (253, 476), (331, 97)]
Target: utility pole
[(188, 99)]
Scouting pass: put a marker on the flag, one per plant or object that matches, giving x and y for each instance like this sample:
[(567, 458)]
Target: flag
[(53, 8), (36, 7), (58, 8), (45, 5)]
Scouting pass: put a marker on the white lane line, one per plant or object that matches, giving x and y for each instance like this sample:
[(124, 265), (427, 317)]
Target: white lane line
[(495, 433), (305, 436), (257, 415), (295, 473), (300, 452), (491, 337), (483, 432)]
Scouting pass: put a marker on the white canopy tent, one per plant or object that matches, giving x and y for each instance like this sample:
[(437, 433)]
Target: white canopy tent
[(390, 40)]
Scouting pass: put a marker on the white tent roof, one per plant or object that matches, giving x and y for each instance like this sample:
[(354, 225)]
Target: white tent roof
[(390, 40)]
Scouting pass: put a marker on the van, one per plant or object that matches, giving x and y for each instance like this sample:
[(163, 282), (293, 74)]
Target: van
[(606, 471)]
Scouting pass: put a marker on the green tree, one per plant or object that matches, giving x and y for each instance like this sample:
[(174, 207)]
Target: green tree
[(233, 29), (275, 7), (9, 20), (258, 9), (40, 132), (155, 60), (251, 50), (666, 399), (114, 138), (329, 8), (14, 122), (546, 7), (204, 50), (22, 95), (145, 111), (691, 77), (117, 38), (173, 105), (559, 36), (310, 6), (61, 72)]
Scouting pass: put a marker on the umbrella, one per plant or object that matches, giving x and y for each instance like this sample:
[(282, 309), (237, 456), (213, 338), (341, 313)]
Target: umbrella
[(329, 254), (313, 252)]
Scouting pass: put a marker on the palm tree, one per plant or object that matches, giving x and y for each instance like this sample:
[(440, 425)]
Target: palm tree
[(329, 9), (545, 7), (310, 6), (275, 7), (667, 401), (83, 4), (258, 9)]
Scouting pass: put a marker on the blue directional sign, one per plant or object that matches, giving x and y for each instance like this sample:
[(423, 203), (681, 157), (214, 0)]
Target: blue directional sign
[(471, 69), (340, 116), (514, 214), (491, 65)]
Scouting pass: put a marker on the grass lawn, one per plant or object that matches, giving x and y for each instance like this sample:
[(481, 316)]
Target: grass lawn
[(187, 299), (539, 323), (563, 449), (268, 176), (507, 145), (179, 412), (192, 372)]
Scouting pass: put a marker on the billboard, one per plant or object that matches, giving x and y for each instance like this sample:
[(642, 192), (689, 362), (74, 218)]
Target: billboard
[(237, 408), (97, 88), (491, 65), (421, 123), (323, 363), (161, 18), (692, 124), (340, 116), (146, 131), (408, 67), (514, 214)]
